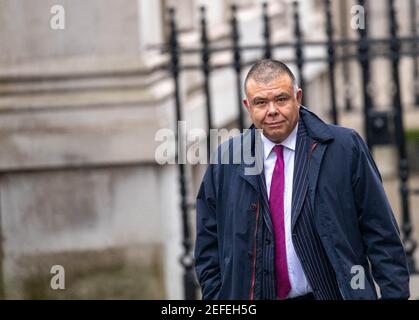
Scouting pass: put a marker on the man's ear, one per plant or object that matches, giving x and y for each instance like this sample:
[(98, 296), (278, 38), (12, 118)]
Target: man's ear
[(246, 104), (299, 96)]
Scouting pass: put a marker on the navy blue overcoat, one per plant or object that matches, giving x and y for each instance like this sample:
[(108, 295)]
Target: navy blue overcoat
[(352, 216)]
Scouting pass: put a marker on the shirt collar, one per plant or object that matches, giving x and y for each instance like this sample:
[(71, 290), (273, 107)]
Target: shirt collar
[(289, 142)]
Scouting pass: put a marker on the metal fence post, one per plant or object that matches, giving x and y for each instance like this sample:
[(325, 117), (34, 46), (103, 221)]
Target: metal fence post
[(266, 31), (331, 61), (298, 46), (237, 63), (410, 244), (186, 259), (205, 57), (363, 57)]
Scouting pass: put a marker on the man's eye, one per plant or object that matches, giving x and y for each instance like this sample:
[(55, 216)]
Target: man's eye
[(260, 103)]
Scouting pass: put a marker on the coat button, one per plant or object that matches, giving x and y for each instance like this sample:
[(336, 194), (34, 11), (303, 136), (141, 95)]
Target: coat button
[(253, 206)]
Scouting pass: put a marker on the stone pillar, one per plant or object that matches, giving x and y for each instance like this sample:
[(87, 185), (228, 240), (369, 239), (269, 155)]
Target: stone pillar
[(79, 186)]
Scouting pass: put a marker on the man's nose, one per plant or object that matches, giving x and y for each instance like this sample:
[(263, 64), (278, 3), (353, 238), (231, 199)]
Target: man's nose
[(272, 108)]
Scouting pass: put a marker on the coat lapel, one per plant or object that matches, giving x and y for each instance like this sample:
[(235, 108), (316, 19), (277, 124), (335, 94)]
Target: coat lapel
[(252, 172), (251, 157), (300, 184), (318, 135), (315, 164), (265, 202)]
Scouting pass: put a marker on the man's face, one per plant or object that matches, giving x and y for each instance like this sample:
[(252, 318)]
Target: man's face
[(273, 106)]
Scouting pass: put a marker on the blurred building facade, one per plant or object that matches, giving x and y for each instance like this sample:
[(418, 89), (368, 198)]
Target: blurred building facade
[(79, 111)]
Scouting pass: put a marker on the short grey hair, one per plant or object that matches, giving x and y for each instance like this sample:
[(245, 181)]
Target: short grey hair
[(266, 70)]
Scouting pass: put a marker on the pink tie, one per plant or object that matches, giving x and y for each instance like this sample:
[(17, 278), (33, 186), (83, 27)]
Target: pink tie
[(276, 204)]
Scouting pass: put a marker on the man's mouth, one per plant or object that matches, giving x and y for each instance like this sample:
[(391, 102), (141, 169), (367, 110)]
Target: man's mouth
[(274, 124)]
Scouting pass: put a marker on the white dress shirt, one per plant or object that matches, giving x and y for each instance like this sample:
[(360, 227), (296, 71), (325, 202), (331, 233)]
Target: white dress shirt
[(298, 280)]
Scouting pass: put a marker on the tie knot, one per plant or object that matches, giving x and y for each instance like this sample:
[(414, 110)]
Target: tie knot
[(278, 149)]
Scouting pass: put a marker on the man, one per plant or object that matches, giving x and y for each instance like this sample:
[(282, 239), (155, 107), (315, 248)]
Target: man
[(315, 223)]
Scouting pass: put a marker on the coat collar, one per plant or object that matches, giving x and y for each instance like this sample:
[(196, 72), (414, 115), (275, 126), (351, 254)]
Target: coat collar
[(317, 129)]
